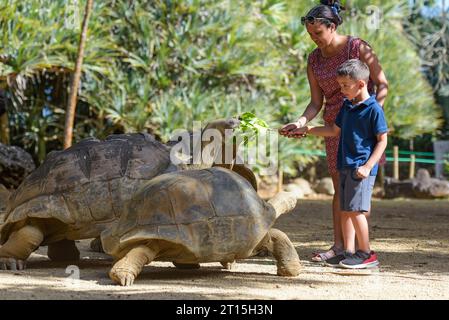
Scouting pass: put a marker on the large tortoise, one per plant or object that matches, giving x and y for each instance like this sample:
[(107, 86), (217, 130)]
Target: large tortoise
[(190, 217), (78, 192)]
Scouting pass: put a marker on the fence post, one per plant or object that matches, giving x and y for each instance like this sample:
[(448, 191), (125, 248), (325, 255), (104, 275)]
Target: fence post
[(280, 178), (396, 162), (412, 166)]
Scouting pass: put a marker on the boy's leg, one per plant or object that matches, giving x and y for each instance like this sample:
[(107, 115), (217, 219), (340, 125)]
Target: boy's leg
[(363, 257), (359, 202), (348, 231), (360, 224)]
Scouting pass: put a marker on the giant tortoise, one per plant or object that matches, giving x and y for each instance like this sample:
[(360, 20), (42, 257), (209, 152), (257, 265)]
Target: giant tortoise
[(78, 192), (190, 217)]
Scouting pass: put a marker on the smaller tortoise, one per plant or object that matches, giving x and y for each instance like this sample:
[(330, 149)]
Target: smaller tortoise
[(190, 217)]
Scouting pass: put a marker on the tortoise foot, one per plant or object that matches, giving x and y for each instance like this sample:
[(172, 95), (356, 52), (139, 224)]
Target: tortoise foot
[(122, 277), (186, 265), (64, 250), (228, 265), (289, 269), (126, 270), (12, 264)]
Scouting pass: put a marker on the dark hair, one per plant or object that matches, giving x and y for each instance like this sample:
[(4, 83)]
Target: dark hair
[(354, 69), (328, 10)]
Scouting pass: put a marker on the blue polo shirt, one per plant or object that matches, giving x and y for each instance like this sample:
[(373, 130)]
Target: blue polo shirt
[(360, 124)]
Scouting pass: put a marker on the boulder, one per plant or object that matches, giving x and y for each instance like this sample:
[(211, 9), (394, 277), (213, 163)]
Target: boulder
[(295, 189), (15, 165), (304, 185), (423, 186), (398, 189), (429, 188), (325, 186)]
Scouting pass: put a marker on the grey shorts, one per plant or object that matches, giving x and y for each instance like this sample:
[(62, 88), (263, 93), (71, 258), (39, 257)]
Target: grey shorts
[(355, 193)]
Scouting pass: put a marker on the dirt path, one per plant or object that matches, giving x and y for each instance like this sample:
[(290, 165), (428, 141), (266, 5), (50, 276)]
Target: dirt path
[(411, 238)]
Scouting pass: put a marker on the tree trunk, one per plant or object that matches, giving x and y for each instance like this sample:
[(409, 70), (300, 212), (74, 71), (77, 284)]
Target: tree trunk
[(4, 124), (71, 106), (4, 129)]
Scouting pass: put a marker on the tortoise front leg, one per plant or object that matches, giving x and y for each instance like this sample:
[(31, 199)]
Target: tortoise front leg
[(20, 244), (128, 268), (64, 250), (283, 251)]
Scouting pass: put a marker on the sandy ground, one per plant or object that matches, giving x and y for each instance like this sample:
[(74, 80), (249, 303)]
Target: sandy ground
[(411, 238)]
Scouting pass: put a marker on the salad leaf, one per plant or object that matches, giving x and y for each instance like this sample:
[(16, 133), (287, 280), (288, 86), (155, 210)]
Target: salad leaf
[(249, 122)]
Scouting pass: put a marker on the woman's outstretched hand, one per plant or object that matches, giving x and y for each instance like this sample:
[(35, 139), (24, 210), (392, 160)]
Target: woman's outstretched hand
[(289, 128), (286, 129), (294, 130)]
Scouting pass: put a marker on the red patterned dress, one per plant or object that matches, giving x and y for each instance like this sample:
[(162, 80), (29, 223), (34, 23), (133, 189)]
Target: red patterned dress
[(325, 71)]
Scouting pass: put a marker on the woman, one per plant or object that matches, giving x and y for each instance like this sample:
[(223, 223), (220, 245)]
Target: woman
[(332, 50)]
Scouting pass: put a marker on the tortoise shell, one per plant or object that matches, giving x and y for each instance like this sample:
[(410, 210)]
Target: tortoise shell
[(86, 185), (204, 216)]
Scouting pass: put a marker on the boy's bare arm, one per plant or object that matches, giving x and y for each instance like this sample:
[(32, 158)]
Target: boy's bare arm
[(322, 131), (381, 145)]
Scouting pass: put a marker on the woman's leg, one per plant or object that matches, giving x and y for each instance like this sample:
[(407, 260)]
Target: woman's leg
[(338, 246), (336, 213)]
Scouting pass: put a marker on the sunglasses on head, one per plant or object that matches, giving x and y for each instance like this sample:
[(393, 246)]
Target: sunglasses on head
[(312, 20)]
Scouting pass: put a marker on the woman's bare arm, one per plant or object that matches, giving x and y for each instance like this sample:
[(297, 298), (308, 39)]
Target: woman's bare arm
[(368, 56)]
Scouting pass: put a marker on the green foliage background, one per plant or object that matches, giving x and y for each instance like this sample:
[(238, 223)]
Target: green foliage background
[(158, 65)]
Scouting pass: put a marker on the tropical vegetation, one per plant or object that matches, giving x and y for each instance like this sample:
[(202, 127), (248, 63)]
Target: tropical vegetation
[(158, 65)]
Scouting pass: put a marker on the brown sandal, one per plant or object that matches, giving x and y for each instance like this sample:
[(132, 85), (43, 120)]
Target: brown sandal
[(323, 256)]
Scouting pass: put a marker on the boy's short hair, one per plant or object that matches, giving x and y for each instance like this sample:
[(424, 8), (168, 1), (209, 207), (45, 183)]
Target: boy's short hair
[(354, 69)]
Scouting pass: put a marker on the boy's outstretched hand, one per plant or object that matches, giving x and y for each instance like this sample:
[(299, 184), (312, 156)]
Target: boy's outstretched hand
[(298, 133)]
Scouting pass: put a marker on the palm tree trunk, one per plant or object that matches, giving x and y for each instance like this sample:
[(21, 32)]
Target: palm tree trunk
[(70, 112)]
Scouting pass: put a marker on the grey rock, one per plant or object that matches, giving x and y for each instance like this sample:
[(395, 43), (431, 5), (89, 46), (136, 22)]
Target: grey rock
[(15, 165), (295, 189), (398, 189), (304, 185), (325, 186), (429, 188), (423, 187)]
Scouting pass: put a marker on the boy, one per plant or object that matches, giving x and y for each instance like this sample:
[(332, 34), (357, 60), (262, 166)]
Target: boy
[(363, 138)]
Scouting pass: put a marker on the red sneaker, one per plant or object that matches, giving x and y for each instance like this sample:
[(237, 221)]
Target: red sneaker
[(360, 260)]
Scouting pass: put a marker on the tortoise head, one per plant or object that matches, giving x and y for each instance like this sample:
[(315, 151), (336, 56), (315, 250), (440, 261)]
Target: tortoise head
[(222, 124), (214, 135), (210, 146)]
